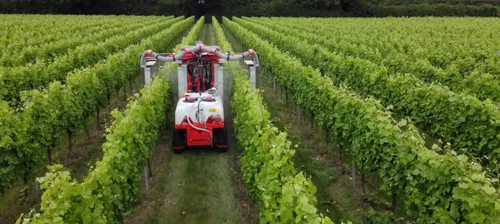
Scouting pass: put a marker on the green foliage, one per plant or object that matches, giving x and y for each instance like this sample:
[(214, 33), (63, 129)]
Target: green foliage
[(21, 78), (464, 64), (192, 36), (454, 117), (284, 195), (110, 189), (376, 217), (188, 40), (51, 113), (440, 188), (221, 41), (46, 41), (12, 136)]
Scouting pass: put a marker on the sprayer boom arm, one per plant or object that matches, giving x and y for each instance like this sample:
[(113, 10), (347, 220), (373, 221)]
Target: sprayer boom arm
[(199, 49)]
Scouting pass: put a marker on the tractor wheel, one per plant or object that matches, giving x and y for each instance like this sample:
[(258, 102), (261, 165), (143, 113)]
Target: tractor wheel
[(220, 136), (179, 141)]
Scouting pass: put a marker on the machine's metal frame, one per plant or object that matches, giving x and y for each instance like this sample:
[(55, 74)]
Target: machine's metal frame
[(199, 49), (151, 68), (186, 121), (148, 70)]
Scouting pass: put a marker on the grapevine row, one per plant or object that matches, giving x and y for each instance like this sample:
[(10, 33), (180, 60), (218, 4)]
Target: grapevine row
[(456, 117), (17, 79), (41, 31), (284, 194), (289, 195), (187, 40), (40, 27), (465, 44), (483, 85), (63, 109), (49, 51), (441, 188), (113, 186)]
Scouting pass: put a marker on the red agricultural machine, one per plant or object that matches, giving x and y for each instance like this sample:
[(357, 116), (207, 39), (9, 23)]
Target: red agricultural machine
[(199, 115)]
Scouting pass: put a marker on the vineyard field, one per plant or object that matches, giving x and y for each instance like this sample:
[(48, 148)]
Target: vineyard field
[(354, 120), (454, 118)]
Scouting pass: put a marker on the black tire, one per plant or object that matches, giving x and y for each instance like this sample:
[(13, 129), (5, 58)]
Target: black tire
[(178, 141), (221, 139)]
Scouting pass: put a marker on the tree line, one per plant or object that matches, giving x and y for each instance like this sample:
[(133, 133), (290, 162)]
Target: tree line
[(302, 8)]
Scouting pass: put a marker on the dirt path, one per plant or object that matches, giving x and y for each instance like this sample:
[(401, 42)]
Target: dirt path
[(199, 185)]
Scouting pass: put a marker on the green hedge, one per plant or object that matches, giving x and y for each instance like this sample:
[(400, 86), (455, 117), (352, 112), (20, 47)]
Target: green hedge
[(112, 187), (64, 109), (438, 188), (16, 79), (284, 194), (454, 117)]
